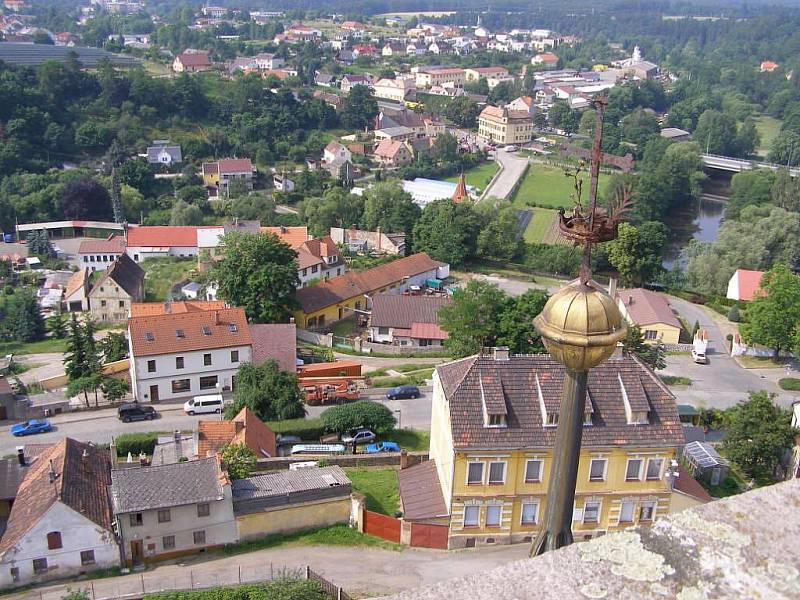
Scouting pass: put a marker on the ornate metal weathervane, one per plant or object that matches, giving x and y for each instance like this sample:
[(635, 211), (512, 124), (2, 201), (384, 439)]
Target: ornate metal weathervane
[(580, 326)]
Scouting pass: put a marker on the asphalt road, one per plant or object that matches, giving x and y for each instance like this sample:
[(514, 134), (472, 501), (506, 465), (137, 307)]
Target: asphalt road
[(513, 168)]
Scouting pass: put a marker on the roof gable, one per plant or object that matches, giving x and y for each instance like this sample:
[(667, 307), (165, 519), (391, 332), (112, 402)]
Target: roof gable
[(126, 274)]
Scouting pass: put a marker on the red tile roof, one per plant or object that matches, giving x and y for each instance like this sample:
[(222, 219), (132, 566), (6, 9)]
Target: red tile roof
[(277, 341), (352, 284), (460, 194), (395, 310), (78, 280), (486, 70), (194, 59), (427, 331), (245, 428), (227, 327), (688, 485), (749, 283), (143, 309), (420, 492), (389, 148), (114, 244), (162, 236), (235, 165), (294, 236), (646, 307)]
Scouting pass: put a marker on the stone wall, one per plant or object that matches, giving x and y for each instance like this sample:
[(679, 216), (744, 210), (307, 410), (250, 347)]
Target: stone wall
[(385, 459)]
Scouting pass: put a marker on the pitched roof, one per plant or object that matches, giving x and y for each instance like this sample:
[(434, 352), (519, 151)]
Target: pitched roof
[(495, 112), (688, 485), (235, 165), (749, 283), (163, 236), (320, 248), (159, 334), (194, 59), (522, 377), (352, 284), (460, 194), (77, 281), (420, 492), (485, 70), (80, 483), (389, 148), (294, 236), (277, 341), (11, 474), (126, 274), (245, 428), (427, 331), (161, 486), (176, 307), (395, 310), (114, 243), (646, 307), (283, 483)]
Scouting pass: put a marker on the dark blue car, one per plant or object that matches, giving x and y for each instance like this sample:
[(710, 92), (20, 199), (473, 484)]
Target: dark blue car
[(401, 392), (31, 427)]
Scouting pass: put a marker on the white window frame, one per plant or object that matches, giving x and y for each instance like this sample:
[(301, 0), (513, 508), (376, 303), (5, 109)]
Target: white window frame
[(633, 511), (660, 469), (535, 513), (499, 509), (653, 505), (639, 473), (476, 508), (586, 503), (605, 469), (541, 468), (483, 472), (489, 472)]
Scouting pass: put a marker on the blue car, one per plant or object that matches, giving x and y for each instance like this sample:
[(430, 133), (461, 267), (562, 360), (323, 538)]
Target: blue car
[(31, 427), (402, 392), (381, 447)]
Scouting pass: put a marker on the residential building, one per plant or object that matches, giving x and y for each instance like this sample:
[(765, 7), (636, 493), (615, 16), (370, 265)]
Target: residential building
[(294, 236), (429, 76), (400, 320), (744, 285), (478, 73), (397, 89), (218, 176), (504, 126), (60, 524), (325, 79), (416, 48), (245, 428), (523, 104), (768, 66), (282, 183), (159, 241), (675, 134), (301, 32), (493, 81), (334, 150), (393, 153), (164, 153), (319, 259), (191, 62), (687, 492), (97, 255), (399, 133), (348, 82), (187, 354), (172, 510), (275, 341), (393, 49), (121, 285), (286, 501), (402, 117), (377, 241), (651, 312), (343, 296), (76, 293), (493, 428), (265, 61), (546, 59)]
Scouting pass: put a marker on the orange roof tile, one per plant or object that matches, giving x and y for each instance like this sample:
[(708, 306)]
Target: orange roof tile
[(78, 280), (162, 236), (294, 236), (749, 283), (245, 428), (460, 194), (143, 309)]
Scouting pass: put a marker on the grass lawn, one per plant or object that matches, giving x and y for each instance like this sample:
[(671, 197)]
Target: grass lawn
[(414, 378), (675, 380), (545, 185), (46, 345), (412, 440), (768, 128), (379, 486), (539, 225), (161, 274), (335, 535), (790, 383), (404, 368), (759, 362), (479, 176)]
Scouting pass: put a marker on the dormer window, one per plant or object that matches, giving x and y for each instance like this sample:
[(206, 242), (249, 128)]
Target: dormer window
[(149, 337), (638, 418), (180, 334), (206, 330), (232, 327), (496, 421), (587, 418), (552, 419)]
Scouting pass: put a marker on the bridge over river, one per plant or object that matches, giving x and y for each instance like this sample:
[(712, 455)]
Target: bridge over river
[(737, 165)]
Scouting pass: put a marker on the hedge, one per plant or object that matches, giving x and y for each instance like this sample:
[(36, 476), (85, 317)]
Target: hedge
[(305, 429), (136, 443), (364, 413), (281, 589)]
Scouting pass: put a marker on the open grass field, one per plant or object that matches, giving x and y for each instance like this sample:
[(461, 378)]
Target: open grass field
[(545, 185), (42, 346), (479, 177), (379, 486), (539, 225), (161, 274), (768, 128)]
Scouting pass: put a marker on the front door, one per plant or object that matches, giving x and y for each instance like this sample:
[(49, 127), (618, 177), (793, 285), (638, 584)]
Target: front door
[(153, 393), (137, 551)]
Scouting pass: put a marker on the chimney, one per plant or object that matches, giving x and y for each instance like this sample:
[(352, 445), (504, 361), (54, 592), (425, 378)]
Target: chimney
[(291, 320), (612, 287), (178, 448), (378, 235), (630, 300), (21, 455), (112, 450), (501, 354), (216, 317), (52, 472)]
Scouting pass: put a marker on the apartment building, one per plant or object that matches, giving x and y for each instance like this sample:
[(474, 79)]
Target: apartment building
[(504, 126), (428, 77)]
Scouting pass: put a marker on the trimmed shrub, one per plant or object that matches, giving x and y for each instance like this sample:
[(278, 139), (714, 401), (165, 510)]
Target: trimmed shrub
[(281, 589), (136, 443), (733, 314), (363, 413)]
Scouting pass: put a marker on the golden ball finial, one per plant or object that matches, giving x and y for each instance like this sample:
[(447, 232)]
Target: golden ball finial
[(581, 326)]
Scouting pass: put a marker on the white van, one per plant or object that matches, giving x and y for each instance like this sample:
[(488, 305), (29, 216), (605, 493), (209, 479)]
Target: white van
[(203, 404)]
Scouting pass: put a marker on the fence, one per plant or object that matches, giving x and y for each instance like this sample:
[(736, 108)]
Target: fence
[(135, 587), (382, 526)]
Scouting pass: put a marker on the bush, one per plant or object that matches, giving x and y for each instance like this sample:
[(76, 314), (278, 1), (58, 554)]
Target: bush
[(733, 314), (305, 429), (363, 413), (280, 589), (136, 443)]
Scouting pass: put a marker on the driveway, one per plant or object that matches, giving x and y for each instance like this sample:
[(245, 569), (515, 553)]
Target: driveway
[(513, 167)]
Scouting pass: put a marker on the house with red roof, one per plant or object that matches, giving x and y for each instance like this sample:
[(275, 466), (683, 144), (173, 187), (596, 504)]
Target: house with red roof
[(744, 285), (160, 241), (400, 320), (319, 259), (393, 153), (218, 176), (546, 59), (191, 62), (651, 312)]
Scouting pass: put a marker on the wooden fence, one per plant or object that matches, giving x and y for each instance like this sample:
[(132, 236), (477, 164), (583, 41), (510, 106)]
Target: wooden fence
[(429, 536), (387, 528), (333, 590)]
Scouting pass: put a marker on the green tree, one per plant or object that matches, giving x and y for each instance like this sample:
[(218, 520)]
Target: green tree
[(113, 390), (364, 413), (472, 319), (75, 357), (750, 188), (239, 460), (772, 317), (757, 434), (57, 324), (388, 206), (636, 253), (447, 231), (716, 133), (359, 108), (183, 213), (79, 594), (270, 393), (786, 191), (114, 346), (516, 328), (462, 111), (259, 273), (336, 208), (651, 354), (500, 239), (82, 385), (561, 116)]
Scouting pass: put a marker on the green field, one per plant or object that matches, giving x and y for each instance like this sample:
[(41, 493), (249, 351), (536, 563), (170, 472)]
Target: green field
[(545, 185), (768, 128), (479, 177), (379, 486), (539, 225), (163, 273)]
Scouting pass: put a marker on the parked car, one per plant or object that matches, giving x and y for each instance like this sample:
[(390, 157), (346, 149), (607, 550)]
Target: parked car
[(402, 392), (359, 436), (510, 148), (30, 427), (699, 357), (287, 440), (203, 404), (382, 447), (136, 412)]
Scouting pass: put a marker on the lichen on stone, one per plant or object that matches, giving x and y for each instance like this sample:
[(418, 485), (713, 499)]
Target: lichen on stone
[(594, 590), (695, 592), (776, 575), (628, 557), (659, 589)]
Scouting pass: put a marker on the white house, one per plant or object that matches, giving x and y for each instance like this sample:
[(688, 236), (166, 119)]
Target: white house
[(60, 524), (190, 353), (319, 259), (98, 255), (334, 150), (160, 241), (164, 153)]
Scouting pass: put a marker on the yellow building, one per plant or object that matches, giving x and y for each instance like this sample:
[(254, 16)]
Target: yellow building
[(504, 126), (429, 77), (493, 427), (651, 312)]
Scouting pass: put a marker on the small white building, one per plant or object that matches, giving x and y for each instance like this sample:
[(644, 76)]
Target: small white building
[(161, 241), (98, 255), (336, 151)]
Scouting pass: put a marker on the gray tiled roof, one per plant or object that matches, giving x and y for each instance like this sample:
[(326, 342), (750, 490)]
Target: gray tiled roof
[(393, 310), (173, 151), (147, 488), (516, 382), (282, 488)]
